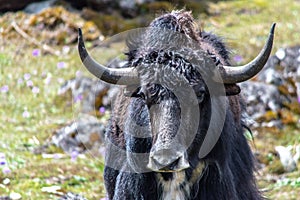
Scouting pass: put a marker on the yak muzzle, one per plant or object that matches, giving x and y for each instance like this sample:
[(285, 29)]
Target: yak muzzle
[(167, 160)]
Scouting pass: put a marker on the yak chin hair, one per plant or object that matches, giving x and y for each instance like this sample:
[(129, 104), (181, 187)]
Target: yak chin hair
[(175, 188)]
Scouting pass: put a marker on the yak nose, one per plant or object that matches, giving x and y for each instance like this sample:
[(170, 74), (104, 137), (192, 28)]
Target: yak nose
[(166, 160)]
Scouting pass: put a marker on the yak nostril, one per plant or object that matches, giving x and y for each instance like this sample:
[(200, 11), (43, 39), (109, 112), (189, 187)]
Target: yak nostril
[(162, 163), (171, 166), (164, 160)]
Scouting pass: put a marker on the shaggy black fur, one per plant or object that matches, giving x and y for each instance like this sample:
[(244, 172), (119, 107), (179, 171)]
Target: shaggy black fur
[(228, 171)]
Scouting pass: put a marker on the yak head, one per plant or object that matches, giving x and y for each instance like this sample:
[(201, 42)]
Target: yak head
[(176, 73)]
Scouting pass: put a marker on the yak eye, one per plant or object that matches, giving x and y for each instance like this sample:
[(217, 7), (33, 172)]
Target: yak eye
[(200, 97), (140, 94), (200, 93), (152, 90)]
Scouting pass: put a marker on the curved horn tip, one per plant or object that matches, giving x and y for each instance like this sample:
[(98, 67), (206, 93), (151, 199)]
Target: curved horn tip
[(79, 32), (249, 70), (80, 36), (81, 47), (273, 28)]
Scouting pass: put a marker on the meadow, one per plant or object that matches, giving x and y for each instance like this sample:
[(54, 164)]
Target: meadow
[(30, 109)]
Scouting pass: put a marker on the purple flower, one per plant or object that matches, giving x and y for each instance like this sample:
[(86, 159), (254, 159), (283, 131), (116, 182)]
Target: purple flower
[(36, 52), (78, 73), (27, 76), (26, 114), (20, 81), (61, 65), (102, 110), (44, 74), (238, 59), (60, 80), (66, 49), (47, 80), (3, 161), (29, 83), (4, 89), (57, 156), (78, 98), (35, 90), (299, 99), (2, 155), (74, 155), (6, 170)]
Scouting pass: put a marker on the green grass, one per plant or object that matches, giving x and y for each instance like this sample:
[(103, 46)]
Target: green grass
[(246, 24), (27, 119)]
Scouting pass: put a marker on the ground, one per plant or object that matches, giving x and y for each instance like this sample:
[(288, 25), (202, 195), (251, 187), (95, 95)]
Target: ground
[(30, 77)]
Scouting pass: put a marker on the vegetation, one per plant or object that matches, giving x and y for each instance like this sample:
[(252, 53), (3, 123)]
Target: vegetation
[(30, 109)]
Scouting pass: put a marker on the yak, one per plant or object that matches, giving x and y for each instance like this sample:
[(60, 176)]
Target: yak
[(176, 131)]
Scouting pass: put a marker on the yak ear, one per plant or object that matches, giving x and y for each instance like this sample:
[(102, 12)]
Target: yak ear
[(232, 89)]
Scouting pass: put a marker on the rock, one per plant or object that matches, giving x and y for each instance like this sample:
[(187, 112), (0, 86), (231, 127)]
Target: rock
[(6, 181), (82, 134), (263, 102), (270, 74), (282, 69), (15, 196), (275, 97), (286, 158), (72, 196), (90, 94), (296, 157), (13, 5), (53, 189), (128, 8), (37, 7), (297, 83), (5, 198)]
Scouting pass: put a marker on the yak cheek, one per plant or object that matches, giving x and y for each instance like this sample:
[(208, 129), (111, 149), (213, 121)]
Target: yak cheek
[(167, 153)]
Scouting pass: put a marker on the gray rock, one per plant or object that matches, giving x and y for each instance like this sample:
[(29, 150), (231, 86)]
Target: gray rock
[(5, 198), (84, 133), (87, 92), (281, 66), (260, 97), (286, 158), (278, 86), (72, 196), (37, 7)]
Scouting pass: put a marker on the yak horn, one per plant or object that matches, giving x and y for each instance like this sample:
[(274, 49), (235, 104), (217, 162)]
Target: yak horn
[(239, 74), (119, 76)]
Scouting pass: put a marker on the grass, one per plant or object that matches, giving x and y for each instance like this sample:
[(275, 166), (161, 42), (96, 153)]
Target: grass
[(246, 24), (28, 118)]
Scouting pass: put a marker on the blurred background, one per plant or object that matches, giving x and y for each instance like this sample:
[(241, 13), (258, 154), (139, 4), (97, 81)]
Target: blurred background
[(53, 113)]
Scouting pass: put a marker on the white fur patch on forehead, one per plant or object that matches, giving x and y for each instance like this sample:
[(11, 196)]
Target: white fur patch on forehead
[(180, 13)]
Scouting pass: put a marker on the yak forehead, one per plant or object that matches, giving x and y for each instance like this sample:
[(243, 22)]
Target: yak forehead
[(167, 68), (171, 50), (174, 68), (180, 21)]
